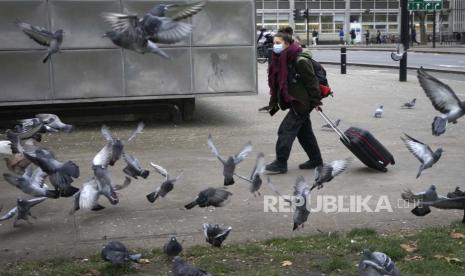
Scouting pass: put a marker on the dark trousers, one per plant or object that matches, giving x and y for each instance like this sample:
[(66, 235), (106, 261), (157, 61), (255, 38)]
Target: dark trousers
[(297, 125)]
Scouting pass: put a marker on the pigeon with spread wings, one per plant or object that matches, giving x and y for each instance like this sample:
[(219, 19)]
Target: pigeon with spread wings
[(255, 179), (166, 186), (422, 152)]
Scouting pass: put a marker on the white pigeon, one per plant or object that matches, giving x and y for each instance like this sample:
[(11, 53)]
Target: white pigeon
[(379, 112)]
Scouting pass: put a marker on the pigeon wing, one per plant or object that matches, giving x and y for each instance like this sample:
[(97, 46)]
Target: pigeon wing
[(243, 153), (138, 130), (38, 34), (160, 170), (339, 166), (259, 165), (170, 31), (88, 195), (106, 133), (214, 150), (126, 183), (441, 95), (9, 215), (420, 150), (411, 197), (34, 201), (121, 22), (301, 188), (180, 11), (38, 177), (273, 188)]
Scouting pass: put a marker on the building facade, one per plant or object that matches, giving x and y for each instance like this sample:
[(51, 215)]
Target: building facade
[(329, 16)]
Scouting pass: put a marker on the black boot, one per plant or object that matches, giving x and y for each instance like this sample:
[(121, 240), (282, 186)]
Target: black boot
[(309, 165), (277, 166)]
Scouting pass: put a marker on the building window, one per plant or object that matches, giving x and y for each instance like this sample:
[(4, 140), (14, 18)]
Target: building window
[(259, 4), (340, 4), (270, 4), (368, 5), (300, 5), (313, 5), (283, 20), (327, 5), (393, 4), (327, 25), (283, 4), (258, 20)]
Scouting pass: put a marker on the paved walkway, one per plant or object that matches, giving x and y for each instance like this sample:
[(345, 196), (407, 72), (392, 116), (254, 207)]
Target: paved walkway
[(233, 121)]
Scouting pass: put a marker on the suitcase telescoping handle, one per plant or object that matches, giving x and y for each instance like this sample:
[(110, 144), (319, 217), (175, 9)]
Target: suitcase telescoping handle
[(341, 134)]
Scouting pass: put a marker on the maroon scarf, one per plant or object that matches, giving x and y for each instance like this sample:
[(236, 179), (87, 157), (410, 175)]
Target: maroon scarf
[(278, 71)]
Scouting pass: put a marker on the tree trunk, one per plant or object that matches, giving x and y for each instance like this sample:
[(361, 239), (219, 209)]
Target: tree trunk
[(422, 18)]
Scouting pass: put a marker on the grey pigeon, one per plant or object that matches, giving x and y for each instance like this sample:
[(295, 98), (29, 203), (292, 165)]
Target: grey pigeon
[(166, 186), (229, 165), (87, 198), (410, 104), (22, 210), (214, 234), (379, 112), (302, 194), (181, 268), (113, 149), (255, 179), (422, 152), (327, 127), (133, 167), (43, 37), (26, 129), (106, 187), (117, 254), (31, 183), (443, 99), (430, 198), (17, 162), (210, 197), (172, 247), (326, 172), (61, 174), (377, 264), (52, 123), (399, 54)]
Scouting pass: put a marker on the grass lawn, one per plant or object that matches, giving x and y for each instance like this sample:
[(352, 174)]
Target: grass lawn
[(434, 251)]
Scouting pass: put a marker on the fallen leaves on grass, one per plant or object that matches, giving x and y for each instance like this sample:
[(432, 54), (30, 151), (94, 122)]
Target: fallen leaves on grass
[(450, 260), (410, 248), (413, 258), (93, 272), (456, 235), (144, 261), (286, 263)]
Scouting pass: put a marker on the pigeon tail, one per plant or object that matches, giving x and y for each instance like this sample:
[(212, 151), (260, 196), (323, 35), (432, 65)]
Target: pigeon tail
[(420, 170), (228, 181), (152, 197), (144, 174), (295, 227), (421, 211), (439, 125), (52, 194), (191, 205), (69, 191), (135, 257)]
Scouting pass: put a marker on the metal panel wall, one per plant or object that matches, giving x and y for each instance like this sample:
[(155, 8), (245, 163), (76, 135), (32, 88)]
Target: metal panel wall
[(217, 58)]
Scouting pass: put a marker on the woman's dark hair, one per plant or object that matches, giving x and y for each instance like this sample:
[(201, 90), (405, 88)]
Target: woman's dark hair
[(287, 30), (285, 36)]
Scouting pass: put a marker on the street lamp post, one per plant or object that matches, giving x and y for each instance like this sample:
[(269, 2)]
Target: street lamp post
[(404, 37)]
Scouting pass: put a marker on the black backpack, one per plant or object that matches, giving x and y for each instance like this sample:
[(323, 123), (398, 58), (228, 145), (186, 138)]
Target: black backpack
[(320, 74)]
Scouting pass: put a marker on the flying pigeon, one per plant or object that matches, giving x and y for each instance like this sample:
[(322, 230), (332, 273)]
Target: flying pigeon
[(327, 127), (133, 167), (377, 264), (255, 179), (26, 129), (113, 149), (17, 162), (326, 172), (61, 174), (31, 183), (117, 254), (43, 37), (5, 147), (379, 112), (181, 268), (210, 197), (229, 165), (430, 198), (166, 186), (52, 123), (302, 200), (422, 152), (443, 99), (22, 210), (159, 25), (172, 247), (410, 104), (399, 54), (214, 234)]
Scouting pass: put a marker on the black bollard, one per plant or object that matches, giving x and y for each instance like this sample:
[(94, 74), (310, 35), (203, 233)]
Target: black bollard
[(343, 60)]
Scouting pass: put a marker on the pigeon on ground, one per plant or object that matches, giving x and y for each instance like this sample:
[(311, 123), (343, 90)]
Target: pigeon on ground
[(31, 183), (430, 198), (229, 165), (52, 123), (133, 167), (87, 198), (216, 197), (379, 112), (399, 54), (113, 149), (443, 99), (302, 201), (166, 186), (181, 268), (456, 193), (422, 152), (326, 172), (117, 254), (377, 264), (61, 174), (214, 234), (43, 37), (22, 210), (255, 179), (410, 104), (327, 127), (172, 248)]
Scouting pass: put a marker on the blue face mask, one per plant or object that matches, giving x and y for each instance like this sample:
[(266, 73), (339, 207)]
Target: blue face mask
[(277, 48)]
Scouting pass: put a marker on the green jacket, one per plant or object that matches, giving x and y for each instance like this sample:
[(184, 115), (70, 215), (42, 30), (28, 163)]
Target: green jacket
[(306, 89)]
